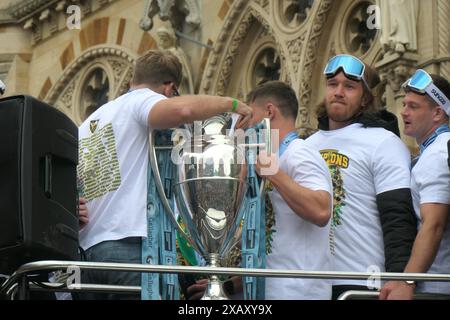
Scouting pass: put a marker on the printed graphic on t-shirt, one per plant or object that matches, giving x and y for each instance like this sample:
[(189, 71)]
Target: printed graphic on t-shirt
[(335, 162), (93, 125), (270, 217), (98, 168)]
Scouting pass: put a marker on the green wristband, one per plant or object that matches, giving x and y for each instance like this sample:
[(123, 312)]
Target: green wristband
[(235, 105)]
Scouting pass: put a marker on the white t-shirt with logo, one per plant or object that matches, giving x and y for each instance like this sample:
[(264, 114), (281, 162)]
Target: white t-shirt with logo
[(363, 163), (112, 170), (430, 183), (299, 244)]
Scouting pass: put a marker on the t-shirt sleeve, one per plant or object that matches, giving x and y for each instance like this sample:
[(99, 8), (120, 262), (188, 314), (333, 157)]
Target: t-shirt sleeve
[(308, 168), (391, 165), (434, 182), (144, 105)]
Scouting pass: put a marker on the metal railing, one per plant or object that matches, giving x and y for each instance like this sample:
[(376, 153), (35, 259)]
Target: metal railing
[(358, 294), (51, 265)]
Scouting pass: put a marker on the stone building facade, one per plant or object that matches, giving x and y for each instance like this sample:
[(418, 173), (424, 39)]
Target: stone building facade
[(226, 46)]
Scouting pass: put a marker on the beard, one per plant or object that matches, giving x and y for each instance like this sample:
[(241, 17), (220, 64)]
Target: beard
[(342, 113)]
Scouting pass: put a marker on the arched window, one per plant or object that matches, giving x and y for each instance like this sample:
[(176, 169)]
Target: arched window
[(95, 91)]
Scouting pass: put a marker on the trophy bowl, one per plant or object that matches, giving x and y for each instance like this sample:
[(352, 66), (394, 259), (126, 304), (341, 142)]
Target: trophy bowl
[(211, 184)]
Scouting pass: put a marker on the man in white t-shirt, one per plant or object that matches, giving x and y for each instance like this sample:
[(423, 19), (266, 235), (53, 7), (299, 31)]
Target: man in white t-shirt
[(373, 225), (113, 152), (301, 198), (426, 110)]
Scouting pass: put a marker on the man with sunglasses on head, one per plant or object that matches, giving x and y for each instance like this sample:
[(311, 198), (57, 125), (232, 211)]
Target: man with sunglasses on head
[(113, 153), (373, 225), (426, 110)]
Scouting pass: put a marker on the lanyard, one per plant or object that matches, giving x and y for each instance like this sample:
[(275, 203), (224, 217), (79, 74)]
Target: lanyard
[(291, 136), (428, 141)]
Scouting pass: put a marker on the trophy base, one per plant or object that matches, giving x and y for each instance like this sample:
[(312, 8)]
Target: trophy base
[(215, 291)]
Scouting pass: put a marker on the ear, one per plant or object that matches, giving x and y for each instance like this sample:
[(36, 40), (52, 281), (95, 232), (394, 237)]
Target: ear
[(272, 110), (439, 114), (167, 90)]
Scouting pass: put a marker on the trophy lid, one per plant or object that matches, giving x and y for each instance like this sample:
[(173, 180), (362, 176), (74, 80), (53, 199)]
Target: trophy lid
[(222, 124)]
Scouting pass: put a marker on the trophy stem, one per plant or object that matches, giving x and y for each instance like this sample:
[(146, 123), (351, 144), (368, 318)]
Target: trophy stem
[(214, 291)]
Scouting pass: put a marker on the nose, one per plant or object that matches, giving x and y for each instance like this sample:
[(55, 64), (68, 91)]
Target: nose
[(339, 90), (404, 112)]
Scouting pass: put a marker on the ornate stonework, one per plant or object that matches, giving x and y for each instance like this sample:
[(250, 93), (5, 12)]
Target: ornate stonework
[(265, 59), (165, 8), (309, 59), (293, 13), (290, 50), (295, 51), (279, 53), (263, 3), (444, 35), (395, 69), (26, 8), (118, 66), (235, 45), (358, 37), (233, 50), (227, 59), (70, 90), (43, 18), (66, 98)]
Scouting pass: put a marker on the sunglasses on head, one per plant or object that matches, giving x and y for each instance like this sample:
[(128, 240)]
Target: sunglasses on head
[(175, 92), (422, 83), (350, 65)]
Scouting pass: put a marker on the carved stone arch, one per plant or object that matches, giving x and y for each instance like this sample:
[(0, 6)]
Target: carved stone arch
[(118, 41), (245, 34), (67, 92), (311, 42), (258, 62), (276, 43)]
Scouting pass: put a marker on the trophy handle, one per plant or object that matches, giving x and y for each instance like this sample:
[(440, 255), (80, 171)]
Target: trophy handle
[(263, 125), (267, 136), (160, 189), (268, 144)]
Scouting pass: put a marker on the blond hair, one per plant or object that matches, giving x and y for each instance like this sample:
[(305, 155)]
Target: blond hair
[(156, 67)]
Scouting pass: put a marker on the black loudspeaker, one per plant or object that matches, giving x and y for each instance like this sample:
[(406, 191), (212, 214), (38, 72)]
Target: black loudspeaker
[(38, 188)]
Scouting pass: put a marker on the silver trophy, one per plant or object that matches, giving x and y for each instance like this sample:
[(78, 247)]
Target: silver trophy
[(211, 181)]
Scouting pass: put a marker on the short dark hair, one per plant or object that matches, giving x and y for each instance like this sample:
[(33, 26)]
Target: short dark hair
[(282, 93), (442, 84), (156, 67), (439, 82)]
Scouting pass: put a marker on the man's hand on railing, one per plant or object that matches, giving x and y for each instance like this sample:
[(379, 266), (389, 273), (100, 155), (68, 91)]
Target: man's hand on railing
[(397, 290)]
